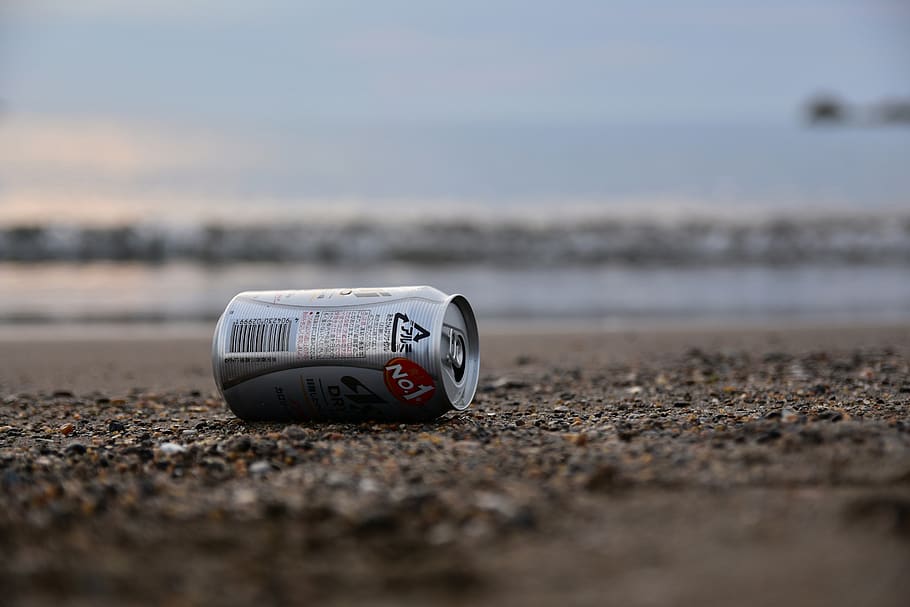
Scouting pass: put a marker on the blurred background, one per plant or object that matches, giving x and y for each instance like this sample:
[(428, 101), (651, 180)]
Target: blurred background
[(568, 162)]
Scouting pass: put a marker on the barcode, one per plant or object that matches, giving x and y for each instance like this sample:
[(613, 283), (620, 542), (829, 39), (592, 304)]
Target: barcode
[(261, 335)]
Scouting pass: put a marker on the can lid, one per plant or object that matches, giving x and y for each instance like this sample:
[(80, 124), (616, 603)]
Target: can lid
[(460, 352)]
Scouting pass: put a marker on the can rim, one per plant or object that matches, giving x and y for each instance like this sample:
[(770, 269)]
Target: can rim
[(216, 366), (472, 355)]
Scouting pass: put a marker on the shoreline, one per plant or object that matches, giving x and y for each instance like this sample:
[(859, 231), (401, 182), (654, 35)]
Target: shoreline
[(84, 359)]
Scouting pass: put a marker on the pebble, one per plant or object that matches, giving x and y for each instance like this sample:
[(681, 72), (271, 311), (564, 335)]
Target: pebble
[(239, 444), (171, 448), (606, 478), (75, 448), (66, 429), (771, 435), (260, 467), (244, 497), (496, 503), (507, 383), (788, 416), (116, 426)]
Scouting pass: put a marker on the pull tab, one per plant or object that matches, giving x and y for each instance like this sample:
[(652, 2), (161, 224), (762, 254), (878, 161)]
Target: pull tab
[(456, 353)]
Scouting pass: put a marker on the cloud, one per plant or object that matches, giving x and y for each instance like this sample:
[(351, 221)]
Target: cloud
[(37, 148)]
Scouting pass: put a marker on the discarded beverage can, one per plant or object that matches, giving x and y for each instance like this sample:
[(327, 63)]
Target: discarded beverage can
[(396, 354)]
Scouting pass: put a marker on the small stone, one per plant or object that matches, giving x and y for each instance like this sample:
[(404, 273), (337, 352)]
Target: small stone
[(494, 502), (115, 426), (260, 467), (504, 383), (244, 497), (769, 436), (441, 534), (5, 428), (368, 485), (811, 436), (606, 478), (294, 432), (62, 394), (66, 429), (819, 389), (626, 435), (75, 448), (376, 522), (580, 439), (239, 444), (171, 448)]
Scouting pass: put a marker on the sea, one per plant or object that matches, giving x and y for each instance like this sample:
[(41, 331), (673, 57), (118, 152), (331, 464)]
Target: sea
[(568, 227)]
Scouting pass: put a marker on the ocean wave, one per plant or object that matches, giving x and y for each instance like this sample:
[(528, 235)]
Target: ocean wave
[(866, 240)]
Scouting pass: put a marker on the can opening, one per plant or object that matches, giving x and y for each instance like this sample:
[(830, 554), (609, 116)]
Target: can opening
[(457, 355)]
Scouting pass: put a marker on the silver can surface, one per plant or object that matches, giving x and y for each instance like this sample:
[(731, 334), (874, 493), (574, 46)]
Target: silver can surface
[(394, 353)]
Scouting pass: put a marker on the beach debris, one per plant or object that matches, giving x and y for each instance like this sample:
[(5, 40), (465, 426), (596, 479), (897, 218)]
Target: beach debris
[(413, 354)]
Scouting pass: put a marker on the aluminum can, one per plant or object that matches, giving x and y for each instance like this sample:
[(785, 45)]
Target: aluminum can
[(393, 353)]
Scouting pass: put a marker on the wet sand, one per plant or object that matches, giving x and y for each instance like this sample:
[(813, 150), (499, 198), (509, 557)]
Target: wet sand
[(637, 468)]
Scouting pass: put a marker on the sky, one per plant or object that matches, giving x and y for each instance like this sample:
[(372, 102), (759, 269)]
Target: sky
[(486, 60), (104, 99)]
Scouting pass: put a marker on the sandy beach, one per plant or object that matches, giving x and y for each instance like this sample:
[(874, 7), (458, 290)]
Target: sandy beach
[(641, 467)]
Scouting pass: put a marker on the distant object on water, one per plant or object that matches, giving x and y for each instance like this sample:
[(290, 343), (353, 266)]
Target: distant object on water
[(828, 109), (893, 111)]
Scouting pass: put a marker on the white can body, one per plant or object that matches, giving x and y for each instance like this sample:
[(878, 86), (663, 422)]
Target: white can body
[(393, 353)]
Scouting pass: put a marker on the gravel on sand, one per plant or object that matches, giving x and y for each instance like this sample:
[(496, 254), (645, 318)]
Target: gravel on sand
[(641, 469)]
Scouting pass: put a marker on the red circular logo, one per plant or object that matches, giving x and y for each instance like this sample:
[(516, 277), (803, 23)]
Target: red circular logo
[(408, 381)]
